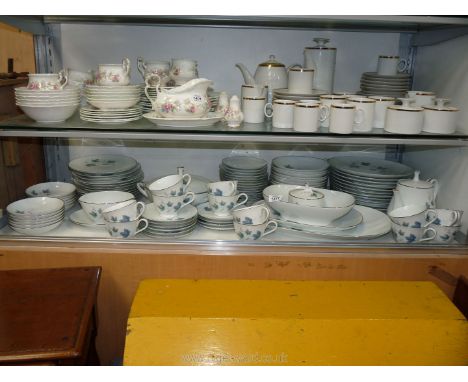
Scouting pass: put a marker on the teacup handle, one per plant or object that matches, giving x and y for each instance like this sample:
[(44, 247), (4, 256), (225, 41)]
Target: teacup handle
[(148, 85), (141, 66), (434, 234), (140, 206), (268, 106), (243, 202), (126, 65), (267, 211), (324, 112), (186, 182), (267, 232), (436, 188), (359, 116), (431, 217), (402, 65), (63, 76), (143, 189), (142, 229), (191, 197)]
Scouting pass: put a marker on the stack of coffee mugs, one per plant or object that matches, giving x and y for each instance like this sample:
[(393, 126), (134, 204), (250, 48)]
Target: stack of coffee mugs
[(252, 223), (123, 219), (223, 197)]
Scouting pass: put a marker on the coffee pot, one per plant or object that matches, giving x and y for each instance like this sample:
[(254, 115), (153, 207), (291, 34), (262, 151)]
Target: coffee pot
[(271, 73)]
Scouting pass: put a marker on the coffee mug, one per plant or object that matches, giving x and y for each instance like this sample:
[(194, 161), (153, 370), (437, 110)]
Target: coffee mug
[(300, 80), (171, 205), (171, 185), (124, 212), (253, 109), (367, 105), (390, 65), (381, 104), (308, 115), (410, 235), (126, 229), (282, 111), (223, 188), (251, 215), (223, 205), (343, 117), (114, 74), (328, 100), (443, 217), (254, 232)]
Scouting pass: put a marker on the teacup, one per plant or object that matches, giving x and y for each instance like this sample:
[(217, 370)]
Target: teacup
[(47, 81), (367, 105), (328, 100), (413, 215), (253, 91), (223, 205), (381, 104), (124, 212), (94, 203), (254, 232), (114, 74), (126, 229), (183, 70), (160, 68), (252, 107), (445, 235), (343, 118), (80, 78), (307, 116), (171, 185), (300, 80), (282, 111), (390, 65), (306, 197), (252, 215), (224, 188), (441, 217), (410, 235), (170, 205)]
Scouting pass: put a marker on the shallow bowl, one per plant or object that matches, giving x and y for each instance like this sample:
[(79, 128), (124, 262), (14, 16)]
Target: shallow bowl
[(49, 114)]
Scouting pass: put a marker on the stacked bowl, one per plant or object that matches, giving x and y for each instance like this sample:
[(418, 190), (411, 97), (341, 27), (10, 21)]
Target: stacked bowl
[(46, 99), (35, 216), (64, 191), (299, 170)]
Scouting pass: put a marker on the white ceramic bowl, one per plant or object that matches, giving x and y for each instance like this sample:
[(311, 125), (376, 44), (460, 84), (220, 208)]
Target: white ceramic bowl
[(94, 203), (34, 207), (54, 189), (337, 204), (38, 230), (49, 114), (117, 104)]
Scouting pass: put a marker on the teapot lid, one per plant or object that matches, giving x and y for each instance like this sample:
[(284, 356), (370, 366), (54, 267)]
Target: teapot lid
[(416, 182), (272, 63)]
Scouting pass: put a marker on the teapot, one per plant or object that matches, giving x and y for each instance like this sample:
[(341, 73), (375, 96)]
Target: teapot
[(416, 191), (189, 100), (270, 73)]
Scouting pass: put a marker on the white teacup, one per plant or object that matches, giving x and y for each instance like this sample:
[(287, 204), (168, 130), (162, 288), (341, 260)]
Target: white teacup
[(94, 203), (47, 81), (381, 104), (443, 217), (328, 100), (171, 185), (445, 235), (410, 235), (282, 111), (253, 109), (160, 68), (254, 232), (343, 117), (124, 212), (223, 188), (126, 229), (114, 74), (171, 205), (183, 70), (223, 205), (300, 80), (306, 197), (390, 65), (251, 215), (308, 115), (413, 215), (367, 105)]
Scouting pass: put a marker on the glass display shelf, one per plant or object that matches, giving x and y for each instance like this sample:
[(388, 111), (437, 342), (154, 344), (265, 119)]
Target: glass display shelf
[(22, 126)]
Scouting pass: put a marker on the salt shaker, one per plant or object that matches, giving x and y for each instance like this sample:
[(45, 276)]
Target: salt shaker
[(234, 115)]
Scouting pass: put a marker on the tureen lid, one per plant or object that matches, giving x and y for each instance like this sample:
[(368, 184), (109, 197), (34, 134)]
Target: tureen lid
[(198, 185), (272, 63), (416, 182)]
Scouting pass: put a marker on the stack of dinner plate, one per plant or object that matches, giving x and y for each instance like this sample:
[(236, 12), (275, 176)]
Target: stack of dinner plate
[(112, 104), (208, 219), (170, 227), (35, 216), (60, 190), (299, 170), (106, 173), (251, 174), (370, 180), (393, 86)]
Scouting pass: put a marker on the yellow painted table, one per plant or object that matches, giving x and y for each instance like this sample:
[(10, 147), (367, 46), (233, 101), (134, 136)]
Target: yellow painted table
[(264, 322)]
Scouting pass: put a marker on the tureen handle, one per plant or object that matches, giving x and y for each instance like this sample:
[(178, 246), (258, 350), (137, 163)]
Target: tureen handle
[(141, 66), (148, 85), (126, 65)]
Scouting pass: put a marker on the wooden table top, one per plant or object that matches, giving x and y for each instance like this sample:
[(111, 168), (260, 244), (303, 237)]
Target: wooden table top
[(44, 313)]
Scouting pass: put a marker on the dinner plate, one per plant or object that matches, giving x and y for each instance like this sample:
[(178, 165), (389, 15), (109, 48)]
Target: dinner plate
[(370, 167), (391, 77), (209, 120)]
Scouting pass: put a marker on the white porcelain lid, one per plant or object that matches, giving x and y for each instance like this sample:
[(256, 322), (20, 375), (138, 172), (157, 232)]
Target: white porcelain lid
[(416, 182)]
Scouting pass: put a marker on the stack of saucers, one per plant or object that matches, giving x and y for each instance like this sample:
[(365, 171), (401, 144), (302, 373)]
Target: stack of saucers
[(111, 104), (145, 103), (35, 216), (64, 191), (376, 84), (170, 227), (208, 219), (214, 97), (106, 173), (370, 180), (251, 174), (299, 170)]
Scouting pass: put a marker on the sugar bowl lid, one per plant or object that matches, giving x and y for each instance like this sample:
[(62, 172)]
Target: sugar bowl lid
[(272, 63), (416, 182)]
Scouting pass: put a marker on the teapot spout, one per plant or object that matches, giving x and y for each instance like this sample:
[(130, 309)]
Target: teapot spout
[(248, 78)]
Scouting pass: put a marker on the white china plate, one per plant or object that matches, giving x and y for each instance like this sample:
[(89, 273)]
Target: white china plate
[(209, 120), (185, 213), (287, 92), (370, 167), (110, 121), (102, 164), (244, 163), (396, 76), (204, 210), (300, 164), (79, 217)]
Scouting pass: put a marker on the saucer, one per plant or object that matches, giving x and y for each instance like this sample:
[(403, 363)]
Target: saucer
[(79, 217), (209, 120), (205, 211)]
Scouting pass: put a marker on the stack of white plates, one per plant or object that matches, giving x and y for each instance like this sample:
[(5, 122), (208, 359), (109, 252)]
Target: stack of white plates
[(106, 173), (393, 86), (208, 219), (299, 170), (35, 216), (64, 191), (161, 226), (371, 181), (294, 96), (48, 106), (112, 104), (251, 174)]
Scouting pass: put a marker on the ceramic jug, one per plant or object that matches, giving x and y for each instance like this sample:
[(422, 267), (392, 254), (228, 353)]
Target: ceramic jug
[(270, 73), (322, 59), (416, 191)]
